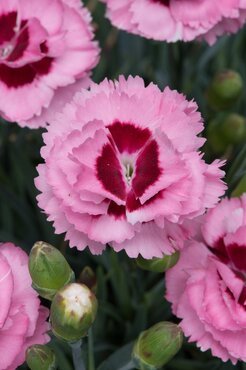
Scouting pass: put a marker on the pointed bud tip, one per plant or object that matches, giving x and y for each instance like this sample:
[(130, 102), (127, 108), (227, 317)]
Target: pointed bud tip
[(88, 278)]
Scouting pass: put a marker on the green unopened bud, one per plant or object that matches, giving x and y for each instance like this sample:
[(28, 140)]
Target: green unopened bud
[(49, 269), (226, 130), (225, 89), (158, 264), (156, 346), (88, 277), (40, 357), (234, 128), (240, 188), (73, 311)]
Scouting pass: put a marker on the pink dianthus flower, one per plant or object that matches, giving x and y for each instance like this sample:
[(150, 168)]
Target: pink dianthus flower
[(207, 286), (173, 20), (46, 52), (22, 319), (122, 167)]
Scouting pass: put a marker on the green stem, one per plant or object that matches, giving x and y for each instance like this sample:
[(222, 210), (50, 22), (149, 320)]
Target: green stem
[(128, 366), (78, 361), (91, 362)]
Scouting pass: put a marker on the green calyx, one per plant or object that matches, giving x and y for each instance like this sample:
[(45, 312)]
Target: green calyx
[(40, 357), (49, 270), (158, 264), (156, 346), (225, 130), (224, 90)]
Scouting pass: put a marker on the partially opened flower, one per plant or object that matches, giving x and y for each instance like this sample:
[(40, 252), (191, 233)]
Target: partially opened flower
[(207, 286), (173, 20), (46, 52), (122, 167), (22, 319)]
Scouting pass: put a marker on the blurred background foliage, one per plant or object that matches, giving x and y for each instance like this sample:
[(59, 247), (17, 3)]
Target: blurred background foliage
[(130, 299)]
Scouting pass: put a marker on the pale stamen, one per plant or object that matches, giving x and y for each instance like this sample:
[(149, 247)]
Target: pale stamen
[(5, 51), (128, 172)]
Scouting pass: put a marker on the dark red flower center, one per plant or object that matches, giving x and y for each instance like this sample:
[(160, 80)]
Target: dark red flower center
[(234, 256), (14, 40), (128, 165), (7, 25), (163, 2)]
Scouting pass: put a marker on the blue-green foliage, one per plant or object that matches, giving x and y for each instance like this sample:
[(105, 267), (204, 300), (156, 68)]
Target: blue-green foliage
[(130, 300)]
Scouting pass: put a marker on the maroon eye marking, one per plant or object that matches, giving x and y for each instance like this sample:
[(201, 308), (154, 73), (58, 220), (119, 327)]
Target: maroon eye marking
[(128, 165), (13, 44)]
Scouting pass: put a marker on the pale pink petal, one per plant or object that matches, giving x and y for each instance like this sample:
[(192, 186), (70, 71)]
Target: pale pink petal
[(12, 340), (46, 59), (39, 336), (23, 320), (177, 20), (207, 286), (6, 288)]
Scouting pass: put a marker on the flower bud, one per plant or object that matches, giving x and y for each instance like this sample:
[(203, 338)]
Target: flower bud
[(88, 277), (156, 346), (158, 264), (40, 357), (225, 89), (73, 311), (49, 269), (234, 128), (225, 130)]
